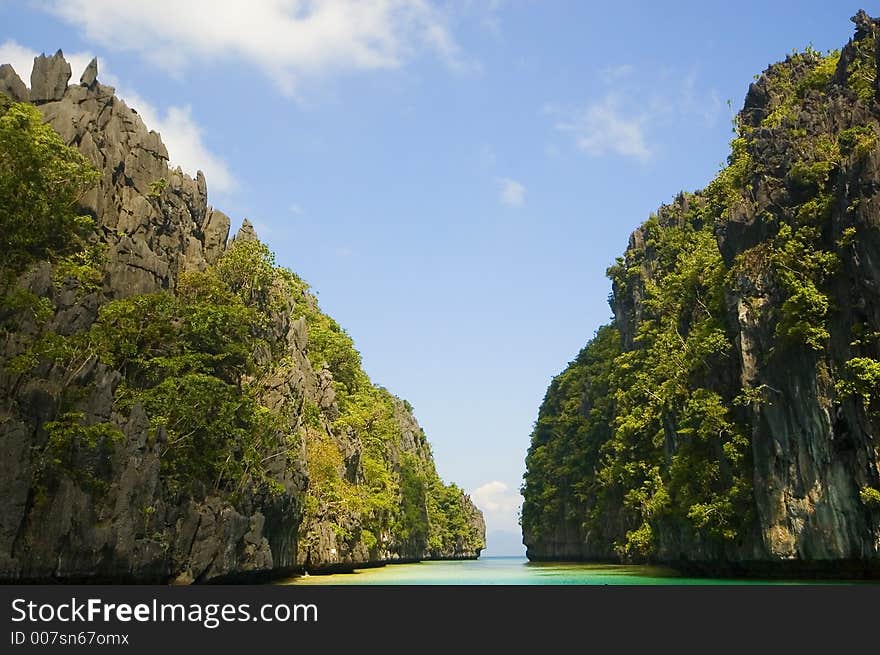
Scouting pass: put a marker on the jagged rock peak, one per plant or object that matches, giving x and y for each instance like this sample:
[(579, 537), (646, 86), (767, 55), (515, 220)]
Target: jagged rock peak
[(90, 74), (49, 78), (246, 232), (11, 84), (865, 25), (216, 230)]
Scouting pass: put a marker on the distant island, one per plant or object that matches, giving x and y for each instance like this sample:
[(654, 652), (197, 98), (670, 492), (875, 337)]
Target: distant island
[(727, 421)]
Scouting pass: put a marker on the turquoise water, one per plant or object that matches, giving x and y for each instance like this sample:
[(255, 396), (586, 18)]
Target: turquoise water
[(509, 571)]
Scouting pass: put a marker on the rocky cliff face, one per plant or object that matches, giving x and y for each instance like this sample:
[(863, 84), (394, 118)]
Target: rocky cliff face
[(113, 515), (727, 421)]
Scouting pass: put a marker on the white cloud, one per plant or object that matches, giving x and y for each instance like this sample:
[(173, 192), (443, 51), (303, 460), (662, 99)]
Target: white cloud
[(21, 59), (499, 505), (285, 39), (638, 111), (295, 209), (603, 127), (180, 132), (511, 192)]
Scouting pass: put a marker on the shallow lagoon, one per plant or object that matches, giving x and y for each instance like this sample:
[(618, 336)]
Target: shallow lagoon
[(513, 571)]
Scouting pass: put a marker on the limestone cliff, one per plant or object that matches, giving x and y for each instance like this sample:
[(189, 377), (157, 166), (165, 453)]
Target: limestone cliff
[(727, 420), (111, 512)]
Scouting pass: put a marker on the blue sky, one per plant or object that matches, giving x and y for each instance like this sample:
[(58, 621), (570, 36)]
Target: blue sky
[(452, 179)]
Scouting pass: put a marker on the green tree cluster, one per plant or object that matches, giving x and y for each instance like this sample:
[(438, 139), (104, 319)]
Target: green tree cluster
[(41, 182)]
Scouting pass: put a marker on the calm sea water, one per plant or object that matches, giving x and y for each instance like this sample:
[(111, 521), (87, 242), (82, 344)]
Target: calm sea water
[(509, 571)]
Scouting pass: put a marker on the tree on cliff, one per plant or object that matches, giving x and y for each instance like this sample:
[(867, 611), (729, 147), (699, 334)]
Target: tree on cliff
[(41, 182)]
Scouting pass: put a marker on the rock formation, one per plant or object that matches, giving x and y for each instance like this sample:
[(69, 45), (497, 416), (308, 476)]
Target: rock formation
[(11, 84), (727, 420), (120, 521)]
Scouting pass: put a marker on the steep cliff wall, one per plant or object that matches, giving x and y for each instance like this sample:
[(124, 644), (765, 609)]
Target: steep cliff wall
[(149, 437), (726, 421)]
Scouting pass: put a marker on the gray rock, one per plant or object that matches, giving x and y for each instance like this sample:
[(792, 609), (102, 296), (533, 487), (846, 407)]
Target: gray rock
[(90, 74), (202, 185), (11, 84), (49, 78), (246, 232), (326, 393), (66, 118), (193, 255), (216, 233), (15, 476)]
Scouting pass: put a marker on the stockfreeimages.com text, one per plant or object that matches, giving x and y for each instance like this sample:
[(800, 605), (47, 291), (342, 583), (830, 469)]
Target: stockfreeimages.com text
[(210, 615)]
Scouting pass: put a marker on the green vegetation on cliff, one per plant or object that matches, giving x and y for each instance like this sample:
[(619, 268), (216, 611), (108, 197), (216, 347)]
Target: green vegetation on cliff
[(200, 360), (41, 181), (648, 432), (644, 446)]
